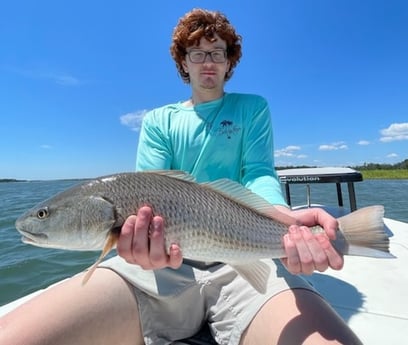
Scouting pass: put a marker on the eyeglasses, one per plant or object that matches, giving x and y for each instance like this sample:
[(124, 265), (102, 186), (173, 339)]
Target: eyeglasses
[(199, 56)]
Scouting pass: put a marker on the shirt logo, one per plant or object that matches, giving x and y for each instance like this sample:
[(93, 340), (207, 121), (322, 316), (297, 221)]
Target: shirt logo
[(228, 129)]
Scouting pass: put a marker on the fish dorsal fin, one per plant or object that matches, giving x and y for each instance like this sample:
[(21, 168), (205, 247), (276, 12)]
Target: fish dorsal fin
[(177, 174), (235, 191), (247, 198)]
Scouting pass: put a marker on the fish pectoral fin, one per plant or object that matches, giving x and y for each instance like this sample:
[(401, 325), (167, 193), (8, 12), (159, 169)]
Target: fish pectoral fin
[(255, 273), (110, 243)]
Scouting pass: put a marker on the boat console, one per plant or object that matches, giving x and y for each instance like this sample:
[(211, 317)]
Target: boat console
[(322, 175)]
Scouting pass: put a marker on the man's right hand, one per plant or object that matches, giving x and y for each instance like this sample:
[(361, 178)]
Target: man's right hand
[(141, 242)]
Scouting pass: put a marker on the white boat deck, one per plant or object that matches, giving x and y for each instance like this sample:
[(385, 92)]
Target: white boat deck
[(371, 294)]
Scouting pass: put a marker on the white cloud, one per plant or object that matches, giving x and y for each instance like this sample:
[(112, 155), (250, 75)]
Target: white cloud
[(288, 151), (392, 155), (59, 78), (46, 147), (292, 148), (363, 142), (395, 132), (341, 145), (133, 120), (64, 79)]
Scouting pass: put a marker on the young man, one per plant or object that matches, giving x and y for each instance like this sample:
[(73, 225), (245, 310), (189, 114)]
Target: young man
[(150, 296)]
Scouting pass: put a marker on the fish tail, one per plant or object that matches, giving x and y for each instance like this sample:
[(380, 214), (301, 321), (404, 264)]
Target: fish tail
[(362, 233)]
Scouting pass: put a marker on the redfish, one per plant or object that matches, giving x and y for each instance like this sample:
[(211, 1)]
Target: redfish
[(219, 221)]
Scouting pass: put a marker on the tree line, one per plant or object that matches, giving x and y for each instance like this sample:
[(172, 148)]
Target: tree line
[(365, 166), (378, 166)]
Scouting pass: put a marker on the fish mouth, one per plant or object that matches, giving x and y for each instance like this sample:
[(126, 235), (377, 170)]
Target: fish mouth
[(30, 238)]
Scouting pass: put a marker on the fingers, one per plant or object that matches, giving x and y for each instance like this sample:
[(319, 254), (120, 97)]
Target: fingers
[(139, 249), (314, 216), (299, 256), (176, 257), (328, 222), (307, 252), (157, 255), (142, 242), (335, 259), (133, 243), (125, 240)]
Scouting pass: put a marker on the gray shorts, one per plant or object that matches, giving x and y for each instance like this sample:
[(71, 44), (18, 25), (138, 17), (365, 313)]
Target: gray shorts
[(196, 304)]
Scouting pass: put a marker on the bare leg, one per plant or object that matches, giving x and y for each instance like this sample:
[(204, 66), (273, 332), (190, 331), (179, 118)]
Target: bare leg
[(298, 316), (104, 311)]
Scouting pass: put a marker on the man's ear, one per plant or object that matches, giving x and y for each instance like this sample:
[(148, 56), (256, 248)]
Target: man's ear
[(184, 65)]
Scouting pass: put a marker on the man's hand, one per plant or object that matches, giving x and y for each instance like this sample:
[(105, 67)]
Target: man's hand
[(307, 252), (141, 242)]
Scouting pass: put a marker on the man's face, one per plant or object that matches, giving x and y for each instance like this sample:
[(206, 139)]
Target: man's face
[(207, 74)]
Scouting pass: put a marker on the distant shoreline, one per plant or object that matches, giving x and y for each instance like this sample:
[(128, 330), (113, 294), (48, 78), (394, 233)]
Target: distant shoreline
[(397, 174), (369, 174), (5, 180)]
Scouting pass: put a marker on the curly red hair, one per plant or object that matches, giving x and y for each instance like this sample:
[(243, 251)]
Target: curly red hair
[(200, 23)]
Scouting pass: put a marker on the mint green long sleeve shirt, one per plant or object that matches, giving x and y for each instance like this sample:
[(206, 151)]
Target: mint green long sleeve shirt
[(230, 137)]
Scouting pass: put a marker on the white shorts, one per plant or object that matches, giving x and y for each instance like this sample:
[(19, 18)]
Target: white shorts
[(180, 306)]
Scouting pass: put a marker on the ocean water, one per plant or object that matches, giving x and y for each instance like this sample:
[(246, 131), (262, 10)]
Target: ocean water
[(25, 268)]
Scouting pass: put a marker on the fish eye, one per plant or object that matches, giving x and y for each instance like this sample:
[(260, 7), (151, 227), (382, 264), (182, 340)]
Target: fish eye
[(42, 213)]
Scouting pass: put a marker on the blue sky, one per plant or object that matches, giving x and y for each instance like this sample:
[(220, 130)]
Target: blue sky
[(76, 77)]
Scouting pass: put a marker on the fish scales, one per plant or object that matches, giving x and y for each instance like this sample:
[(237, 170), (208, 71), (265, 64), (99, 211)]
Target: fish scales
[(205, 223)]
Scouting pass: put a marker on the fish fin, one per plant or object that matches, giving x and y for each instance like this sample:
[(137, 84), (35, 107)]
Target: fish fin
[(235, 191), (369, 252), (177, 174), (255, 273), (363, 233), (247, 198), (110, 243)]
